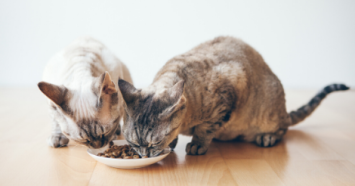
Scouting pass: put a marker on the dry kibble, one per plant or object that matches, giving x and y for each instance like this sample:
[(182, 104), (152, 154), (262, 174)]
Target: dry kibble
[(120, 152), (116, 153)]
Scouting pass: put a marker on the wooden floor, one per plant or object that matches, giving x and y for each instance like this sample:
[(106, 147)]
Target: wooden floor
[(319, 151)]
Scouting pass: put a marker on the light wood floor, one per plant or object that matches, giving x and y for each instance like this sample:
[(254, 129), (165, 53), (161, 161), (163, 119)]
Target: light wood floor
[(319, 151)]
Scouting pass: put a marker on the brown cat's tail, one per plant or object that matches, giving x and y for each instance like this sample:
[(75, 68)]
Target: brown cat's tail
[(306, 110)]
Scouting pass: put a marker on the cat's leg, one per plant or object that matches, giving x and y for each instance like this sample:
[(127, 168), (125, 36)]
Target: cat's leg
[(57, 138), (202, 137), (172, 145), (269, 139)]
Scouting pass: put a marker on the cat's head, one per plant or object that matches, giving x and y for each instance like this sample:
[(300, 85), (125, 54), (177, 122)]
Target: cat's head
[(153, 118), (89, 115)]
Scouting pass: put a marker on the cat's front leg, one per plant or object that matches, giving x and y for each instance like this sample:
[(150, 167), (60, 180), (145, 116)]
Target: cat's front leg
[(202, 137), (57, 138), (172, 145)]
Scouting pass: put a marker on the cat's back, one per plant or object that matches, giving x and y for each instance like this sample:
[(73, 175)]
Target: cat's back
[(84, 55), (223, 57), (223, 47)]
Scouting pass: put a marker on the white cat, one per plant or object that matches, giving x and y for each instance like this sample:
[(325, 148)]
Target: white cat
[(81, 85)]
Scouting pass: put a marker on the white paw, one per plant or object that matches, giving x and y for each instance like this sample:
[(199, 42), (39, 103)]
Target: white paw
[(58, 140)]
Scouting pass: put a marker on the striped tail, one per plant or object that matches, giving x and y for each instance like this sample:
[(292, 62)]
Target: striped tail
[(306, 110)]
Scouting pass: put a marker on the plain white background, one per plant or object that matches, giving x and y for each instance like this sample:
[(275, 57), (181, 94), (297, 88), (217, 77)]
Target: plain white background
[(308, 44)]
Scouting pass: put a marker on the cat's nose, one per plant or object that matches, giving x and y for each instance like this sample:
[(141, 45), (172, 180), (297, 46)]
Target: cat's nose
[(144, 151), (96, 144)]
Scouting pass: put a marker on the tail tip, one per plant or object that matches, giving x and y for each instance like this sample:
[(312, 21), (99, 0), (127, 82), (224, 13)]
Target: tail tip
[(335, 87), (344, 87)]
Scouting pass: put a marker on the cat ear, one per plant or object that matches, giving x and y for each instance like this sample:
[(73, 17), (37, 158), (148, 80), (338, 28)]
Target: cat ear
[(176, 91), (107, 87), (176, 98), (53, 92), (128, 91)]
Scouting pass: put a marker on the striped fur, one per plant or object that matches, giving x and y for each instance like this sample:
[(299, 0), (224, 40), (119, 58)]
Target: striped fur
[(85, 104), (306, 110), (229, 93)]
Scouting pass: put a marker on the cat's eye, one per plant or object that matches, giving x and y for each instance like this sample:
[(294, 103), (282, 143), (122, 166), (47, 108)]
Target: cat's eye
[(156, 143), (132, 144), (80, 140)]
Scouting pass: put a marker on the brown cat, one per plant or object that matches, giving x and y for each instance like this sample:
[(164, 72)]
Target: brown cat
[(221, 89), (85, 104)]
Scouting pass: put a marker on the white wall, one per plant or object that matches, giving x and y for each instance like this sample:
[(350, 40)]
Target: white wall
[(308, 44)]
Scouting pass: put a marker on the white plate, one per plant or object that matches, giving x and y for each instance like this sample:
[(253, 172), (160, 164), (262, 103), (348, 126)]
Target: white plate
[(126, 163)]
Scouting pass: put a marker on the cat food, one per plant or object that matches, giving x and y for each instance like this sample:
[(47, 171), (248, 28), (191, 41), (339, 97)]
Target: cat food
[(120, 152)]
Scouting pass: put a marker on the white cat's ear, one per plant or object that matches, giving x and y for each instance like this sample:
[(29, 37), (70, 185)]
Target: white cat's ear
[(53, 92), (107, 86), (128, 91), (176, 99)]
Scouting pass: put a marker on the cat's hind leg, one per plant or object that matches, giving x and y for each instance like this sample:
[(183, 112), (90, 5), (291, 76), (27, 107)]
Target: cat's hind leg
[(202, 137), (269, 139), (57, 138)]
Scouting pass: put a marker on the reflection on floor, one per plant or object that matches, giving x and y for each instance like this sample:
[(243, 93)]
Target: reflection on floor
[(319, 151)]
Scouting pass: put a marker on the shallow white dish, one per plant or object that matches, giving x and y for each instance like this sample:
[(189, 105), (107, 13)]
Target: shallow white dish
[(126, 163)]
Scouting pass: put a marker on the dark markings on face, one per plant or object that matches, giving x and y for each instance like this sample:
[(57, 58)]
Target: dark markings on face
[(94, 138), (145, 124), (88, 127)]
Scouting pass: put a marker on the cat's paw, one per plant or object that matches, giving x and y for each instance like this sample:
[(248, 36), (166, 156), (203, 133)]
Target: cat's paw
[(172, 145), (270, 139), (58, 140), (266, 140), (196, 149)]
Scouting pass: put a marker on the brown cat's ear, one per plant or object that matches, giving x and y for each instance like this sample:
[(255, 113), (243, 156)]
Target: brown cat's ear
[(128, 91), (107, 86), (176, 98), (176, 91), (53, 92)]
